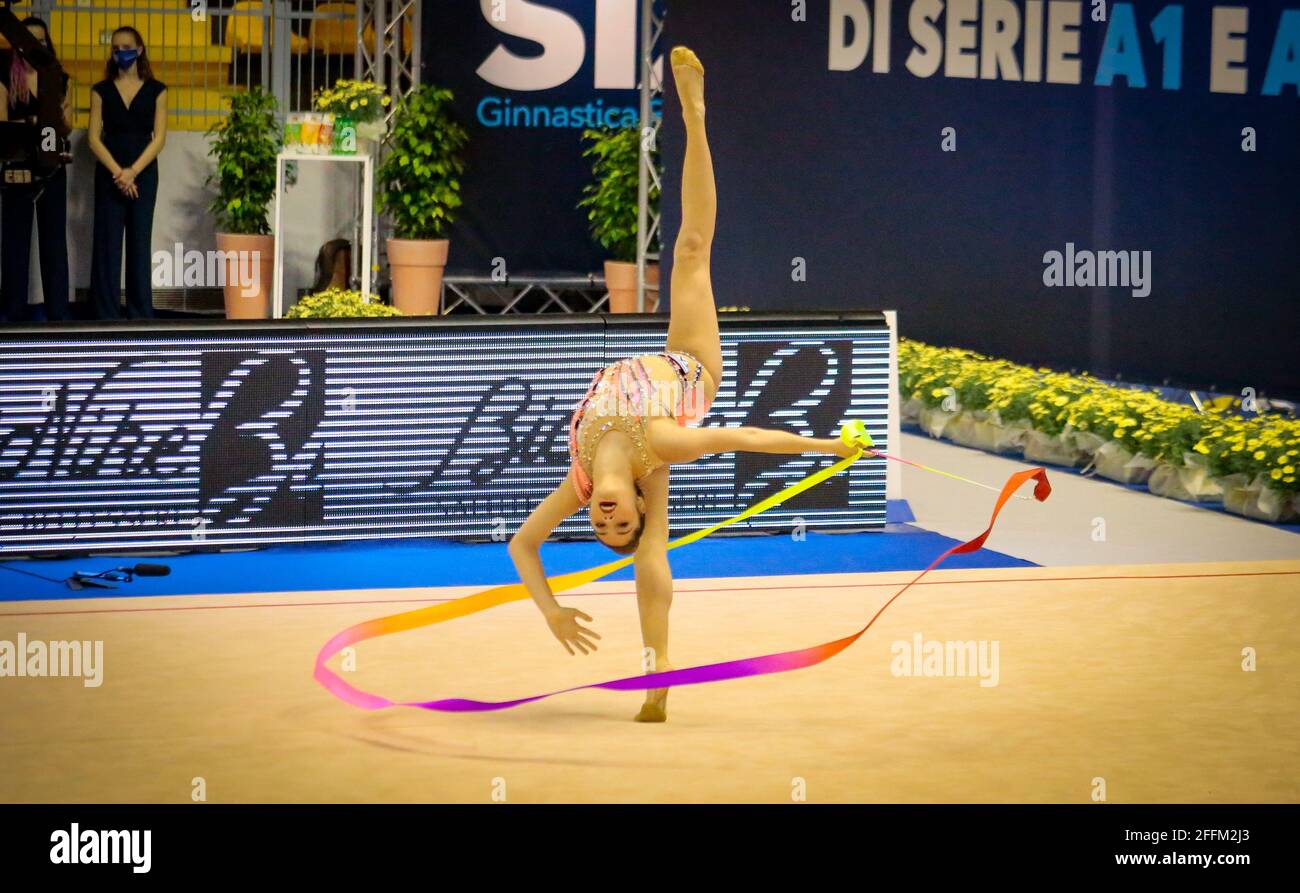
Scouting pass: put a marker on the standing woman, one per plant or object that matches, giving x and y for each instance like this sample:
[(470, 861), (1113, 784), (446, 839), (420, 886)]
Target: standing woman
[(128, 128), (46, 202)]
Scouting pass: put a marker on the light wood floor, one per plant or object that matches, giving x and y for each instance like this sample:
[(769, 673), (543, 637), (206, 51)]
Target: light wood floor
[(1128, 674)]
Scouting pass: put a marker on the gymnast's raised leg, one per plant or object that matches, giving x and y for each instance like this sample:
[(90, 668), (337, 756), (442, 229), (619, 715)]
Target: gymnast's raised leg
[(693, 318), (692, 329)]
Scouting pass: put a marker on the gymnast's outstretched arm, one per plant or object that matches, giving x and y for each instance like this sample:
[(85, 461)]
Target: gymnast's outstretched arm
[(525, 552), (654, 577), (674, 443)]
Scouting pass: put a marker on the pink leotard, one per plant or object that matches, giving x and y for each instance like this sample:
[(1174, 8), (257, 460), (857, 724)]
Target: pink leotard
[(621, 396)]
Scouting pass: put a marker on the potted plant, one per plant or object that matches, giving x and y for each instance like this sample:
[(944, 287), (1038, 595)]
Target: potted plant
[(338, 303), (245, 145), (357, 106), (611, 203), (420, 189)]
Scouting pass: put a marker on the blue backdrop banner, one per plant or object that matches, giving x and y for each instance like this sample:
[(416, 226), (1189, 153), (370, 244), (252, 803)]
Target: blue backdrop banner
[(528, 79), (1089, 185)]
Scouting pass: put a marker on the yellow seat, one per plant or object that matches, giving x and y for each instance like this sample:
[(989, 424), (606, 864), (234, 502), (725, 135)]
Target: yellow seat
[(197, 65), (244, 32), (128, 5), (338, 36), (158, 29)]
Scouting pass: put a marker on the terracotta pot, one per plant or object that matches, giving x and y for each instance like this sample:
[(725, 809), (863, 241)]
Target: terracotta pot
[(248, 299), (620, 280), (416, 266)]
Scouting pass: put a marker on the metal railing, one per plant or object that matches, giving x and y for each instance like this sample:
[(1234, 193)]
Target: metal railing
[(207, 51)]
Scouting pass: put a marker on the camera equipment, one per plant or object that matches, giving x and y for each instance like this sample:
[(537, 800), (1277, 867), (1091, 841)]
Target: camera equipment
[(32, 153), (106, 579)]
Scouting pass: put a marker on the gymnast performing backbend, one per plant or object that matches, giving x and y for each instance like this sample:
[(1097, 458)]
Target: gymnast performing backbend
[(631, 425)]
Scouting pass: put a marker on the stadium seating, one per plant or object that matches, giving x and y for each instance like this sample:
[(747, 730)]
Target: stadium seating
[(202, 62)]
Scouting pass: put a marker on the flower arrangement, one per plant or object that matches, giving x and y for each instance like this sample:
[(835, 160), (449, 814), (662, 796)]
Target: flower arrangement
[(338, 303), (362, 101), (1260, 451)]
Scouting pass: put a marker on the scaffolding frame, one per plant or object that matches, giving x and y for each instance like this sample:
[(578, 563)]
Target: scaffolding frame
[(393, 65), (651, 85)]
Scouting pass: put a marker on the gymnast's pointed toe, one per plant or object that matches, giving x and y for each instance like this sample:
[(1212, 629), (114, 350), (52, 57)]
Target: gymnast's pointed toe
[(686, 56)]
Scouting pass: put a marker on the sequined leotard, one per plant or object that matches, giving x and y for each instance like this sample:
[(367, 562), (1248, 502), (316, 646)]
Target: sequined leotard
[(622, 397)]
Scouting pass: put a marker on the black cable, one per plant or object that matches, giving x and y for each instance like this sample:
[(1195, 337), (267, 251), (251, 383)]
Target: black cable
[(5, 567)]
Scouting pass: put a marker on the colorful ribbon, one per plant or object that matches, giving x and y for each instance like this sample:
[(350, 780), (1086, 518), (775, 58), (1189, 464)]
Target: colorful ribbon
[(731, 669)]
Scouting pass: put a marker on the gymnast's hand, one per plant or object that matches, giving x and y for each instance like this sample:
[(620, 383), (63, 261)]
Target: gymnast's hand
[(564, 623), (841, 449)]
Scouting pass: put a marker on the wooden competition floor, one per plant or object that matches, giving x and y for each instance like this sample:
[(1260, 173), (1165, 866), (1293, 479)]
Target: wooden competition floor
[(1130, 674)]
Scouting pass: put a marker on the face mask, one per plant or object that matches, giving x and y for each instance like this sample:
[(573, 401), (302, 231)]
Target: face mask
[(124, 58)]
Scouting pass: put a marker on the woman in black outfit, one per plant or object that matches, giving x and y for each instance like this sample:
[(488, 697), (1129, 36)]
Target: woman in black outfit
[(47, 202), (128, 128)]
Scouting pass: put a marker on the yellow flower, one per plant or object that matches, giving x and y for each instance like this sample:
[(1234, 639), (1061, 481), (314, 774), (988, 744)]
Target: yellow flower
[(1276, 475), (1259, 454)]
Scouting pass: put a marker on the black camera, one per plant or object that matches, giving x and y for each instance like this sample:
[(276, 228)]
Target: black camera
[(31, 153), (23, 160)]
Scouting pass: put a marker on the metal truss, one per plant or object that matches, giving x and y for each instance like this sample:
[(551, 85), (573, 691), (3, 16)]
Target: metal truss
[(651, 83), (394, 64), (534, 294), (394, 61)]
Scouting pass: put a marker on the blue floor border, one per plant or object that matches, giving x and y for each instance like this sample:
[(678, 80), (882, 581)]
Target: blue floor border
[(406, 563)]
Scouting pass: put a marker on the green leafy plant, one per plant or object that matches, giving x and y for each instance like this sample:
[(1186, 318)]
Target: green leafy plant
[(245, 144), (338, 303), (419, 179), (611, 197)]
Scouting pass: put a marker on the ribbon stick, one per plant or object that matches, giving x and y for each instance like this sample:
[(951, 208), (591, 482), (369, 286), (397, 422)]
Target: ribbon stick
[(717, 672), (947, 474)]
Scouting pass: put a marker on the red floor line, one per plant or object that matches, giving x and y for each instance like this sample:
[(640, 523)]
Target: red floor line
[(402, 601)]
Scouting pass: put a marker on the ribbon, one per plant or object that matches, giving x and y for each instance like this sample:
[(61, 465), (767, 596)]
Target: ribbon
[(732, 669), (947, 474)]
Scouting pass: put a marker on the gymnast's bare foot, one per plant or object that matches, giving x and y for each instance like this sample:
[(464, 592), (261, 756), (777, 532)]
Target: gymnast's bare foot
[(689, 75), (655, 708)]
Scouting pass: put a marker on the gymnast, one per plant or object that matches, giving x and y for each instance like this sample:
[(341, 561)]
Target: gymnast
[(632, 424)]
